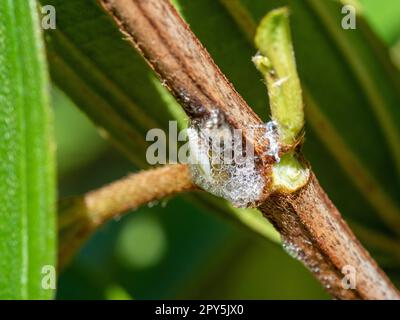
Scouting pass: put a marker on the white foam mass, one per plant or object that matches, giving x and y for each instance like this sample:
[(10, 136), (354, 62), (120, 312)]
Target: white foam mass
[(234, 179)]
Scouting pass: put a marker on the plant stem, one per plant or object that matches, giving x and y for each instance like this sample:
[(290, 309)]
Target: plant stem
[(80, 217), (313, 231), (309, 223), (135, 190)]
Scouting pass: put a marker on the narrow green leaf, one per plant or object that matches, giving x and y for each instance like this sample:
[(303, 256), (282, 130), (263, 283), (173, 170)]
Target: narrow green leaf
[(242, 17), (383, 18), (27, 177), (357, 47)]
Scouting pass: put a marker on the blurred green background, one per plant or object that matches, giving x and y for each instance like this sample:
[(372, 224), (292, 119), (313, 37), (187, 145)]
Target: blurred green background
[(171, 249)]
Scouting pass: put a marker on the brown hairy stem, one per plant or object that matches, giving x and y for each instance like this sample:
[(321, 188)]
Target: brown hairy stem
[(311, 227), (313, 231), (80, 217), (135, 190)]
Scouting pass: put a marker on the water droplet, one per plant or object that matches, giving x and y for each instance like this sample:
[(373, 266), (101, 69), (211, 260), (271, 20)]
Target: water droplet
[(152, 204), (271, 134), (164, 203), (293, 250)]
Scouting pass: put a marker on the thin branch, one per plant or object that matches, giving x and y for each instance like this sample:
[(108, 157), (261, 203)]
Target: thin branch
[(80, 217), (309, 223), (136, 190), (313, 231)]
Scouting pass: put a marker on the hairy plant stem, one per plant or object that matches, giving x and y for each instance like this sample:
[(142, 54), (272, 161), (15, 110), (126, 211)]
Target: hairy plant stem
[(79, 217), (313, 231), (311, 226)]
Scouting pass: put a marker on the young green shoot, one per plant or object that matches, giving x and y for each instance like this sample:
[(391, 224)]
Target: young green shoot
[(276, 61)]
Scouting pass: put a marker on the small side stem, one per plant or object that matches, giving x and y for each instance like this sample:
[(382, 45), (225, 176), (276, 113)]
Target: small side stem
[(80, 217), (136, 190)]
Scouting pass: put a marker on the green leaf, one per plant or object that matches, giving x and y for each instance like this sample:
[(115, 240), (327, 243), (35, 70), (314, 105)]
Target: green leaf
[(383, 16), (367, 59), (27, 177)]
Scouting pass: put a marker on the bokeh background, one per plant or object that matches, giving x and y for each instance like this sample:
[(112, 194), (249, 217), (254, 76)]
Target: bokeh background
[(173, 249)]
